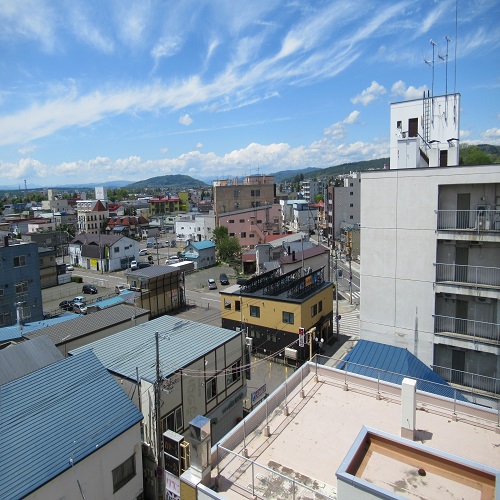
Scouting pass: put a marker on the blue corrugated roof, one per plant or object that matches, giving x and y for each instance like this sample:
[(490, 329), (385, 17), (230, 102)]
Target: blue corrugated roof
[(392, 364), (13, 332), (202, 245), (67, 409)]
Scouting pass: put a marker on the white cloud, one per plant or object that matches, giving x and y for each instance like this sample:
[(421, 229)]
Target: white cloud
[(199, 145), (337, 130), (374, 91), (166, 47), (27, 149), (163, 150), (464, 134), (399, 89), (492, 133), (185, 120)]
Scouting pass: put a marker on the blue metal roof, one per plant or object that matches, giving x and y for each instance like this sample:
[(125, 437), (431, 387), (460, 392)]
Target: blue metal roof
[(202, 245), (68, 409), (13, 332), (393, 364), (181, 342)]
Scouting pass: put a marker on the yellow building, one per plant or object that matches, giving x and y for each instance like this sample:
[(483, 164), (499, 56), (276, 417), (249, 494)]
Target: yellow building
[(272, 308)]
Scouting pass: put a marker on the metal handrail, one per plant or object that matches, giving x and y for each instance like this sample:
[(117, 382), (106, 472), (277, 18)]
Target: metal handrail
[(477, 330), (473, 275), (469, 220)]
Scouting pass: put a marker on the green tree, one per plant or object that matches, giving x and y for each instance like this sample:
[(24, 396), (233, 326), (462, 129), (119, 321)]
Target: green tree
[(471, 154), (318, 198), (220, 233), (229, 248)]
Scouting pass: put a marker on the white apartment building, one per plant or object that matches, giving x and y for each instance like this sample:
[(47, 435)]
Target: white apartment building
[(194, 227), (430, 273)]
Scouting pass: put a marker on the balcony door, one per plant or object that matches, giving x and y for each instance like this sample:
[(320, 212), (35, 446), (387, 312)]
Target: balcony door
[(461, 264), (461, 310), (458, 366), (463, 210)]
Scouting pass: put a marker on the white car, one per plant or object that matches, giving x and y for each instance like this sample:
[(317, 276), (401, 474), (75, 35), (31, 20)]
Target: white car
[(144, 251), (134, 265), (69, 267)]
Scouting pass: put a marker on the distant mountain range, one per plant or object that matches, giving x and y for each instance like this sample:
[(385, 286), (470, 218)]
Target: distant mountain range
[(171, 182)]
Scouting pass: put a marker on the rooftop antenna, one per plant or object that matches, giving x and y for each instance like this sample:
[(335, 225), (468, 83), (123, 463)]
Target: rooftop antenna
[(433, 43), (445, 59)]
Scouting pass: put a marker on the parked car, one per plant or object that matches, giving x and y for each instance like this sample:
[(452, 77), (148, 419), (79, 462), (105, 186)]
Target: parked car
[(134, 265), (80, 308), (66, 305), (89, 289), (144, 251), (120, 288), (212, 285), (223, 279), (149, 244), (142, 265), (173, 243), (79, 298), (69, 267)]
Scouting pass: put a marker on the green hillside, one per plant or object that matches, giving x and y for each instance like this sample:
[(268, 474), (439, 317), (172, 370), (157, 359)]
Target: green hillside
[(167, 182)]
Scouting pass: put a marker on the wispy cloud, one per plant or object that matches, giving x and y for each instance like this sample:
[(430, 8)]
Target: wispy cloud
[(399, 89), (27, 149)]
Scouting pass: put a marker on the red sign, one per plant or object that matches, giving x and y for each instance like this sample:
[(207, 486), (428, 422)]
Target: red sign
[(301, 337)]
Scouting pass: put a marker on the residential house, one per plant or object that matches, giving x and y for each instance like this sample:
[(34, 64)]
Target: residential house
[(272, 308), (202, 253), (127, 225), (160, 289), (20, 288), (253, 225), (88, 437), (255, 191), (431, 280), (103, 252), (201, 368)]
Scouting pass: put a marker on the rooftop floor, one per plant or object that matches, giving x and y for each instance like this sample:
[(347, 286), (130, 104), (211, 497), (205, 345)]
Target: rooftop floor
[(310, 443)]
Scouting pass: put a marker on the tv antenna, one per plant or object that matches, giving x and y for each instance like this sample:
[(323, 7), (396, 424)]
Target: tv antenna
[(431, 64), (445, 59)]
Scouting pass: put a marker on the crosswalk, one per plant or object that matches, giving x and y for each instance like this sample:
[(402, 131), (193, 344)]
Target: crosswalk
[(349, 324), (355, 295)]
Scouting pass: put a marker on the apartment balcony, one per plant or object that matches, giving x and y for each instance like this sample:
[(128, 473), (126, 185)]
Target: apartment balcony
[(475, 331), (476, 221), (468, 276), (472, 382)]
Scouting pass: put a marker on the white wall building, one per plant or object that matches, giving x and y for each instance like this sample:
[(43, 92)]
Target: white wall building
[(430, 273), (311, 189), (195, 227)]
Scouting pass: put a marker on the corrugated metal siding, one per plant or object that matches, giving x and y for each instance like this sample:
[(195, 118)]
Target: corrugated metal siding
[(392, 364), (68, 409), (181, 342)]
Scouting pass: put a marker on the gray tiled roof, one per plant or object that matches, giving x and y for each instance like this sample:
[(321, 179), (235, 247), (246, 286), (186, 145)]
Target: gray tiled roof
[(90, 323), (181, 343), (153, 271)]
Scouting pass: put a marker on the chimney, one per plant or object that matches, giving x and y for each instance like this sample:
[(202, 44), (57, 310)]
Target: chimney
[(5, 241)]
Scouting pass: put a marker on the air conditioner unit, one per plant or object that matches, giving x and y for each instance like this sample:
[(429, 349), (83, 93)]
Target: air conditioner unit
[(483, 300)]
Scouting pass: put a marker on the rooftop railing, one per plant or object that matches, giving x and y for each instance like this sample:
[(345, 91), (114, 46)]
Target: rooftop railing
[(469, 220), (470, 275), (472, 381), (476, 330)]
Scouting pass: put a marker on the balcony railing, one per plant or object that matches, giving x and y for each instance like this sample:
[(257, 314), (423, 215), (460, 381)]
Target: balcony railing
[(469, 220), (472, 380), (473, 275), (476, 330)]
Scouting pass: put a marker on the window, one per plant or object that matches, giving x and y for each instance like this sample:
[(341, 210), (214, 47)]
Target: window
[(351, 205), (231, 221), (20, 261), (320, 306), (236, 193), (314, 310), (21, 287), (351, 184), (288, 317), (123, 473), (255, 311), (116, 249), (351, 193), (233, 373), (231, 234), (227, 303), (242, 221), (351, 217), (243, 234), (251, 235), (237, 305), (211, 387), (255, 192), (259, 221), (173, 421)]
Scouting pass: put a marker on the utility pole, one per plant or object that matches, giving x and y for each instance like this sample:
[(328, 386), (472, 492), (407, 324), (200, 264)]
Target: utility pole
[(160, 470), (337, 317), (350, 268)]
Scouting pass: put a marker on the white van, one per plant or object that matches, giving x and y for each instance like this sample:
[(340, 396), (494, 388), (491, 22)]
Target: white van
[(172, 260)]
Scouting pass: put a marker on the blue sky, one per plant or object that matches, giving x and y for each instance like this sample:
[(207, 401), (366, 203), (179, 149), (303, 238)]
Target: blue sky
[(93, 91)]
